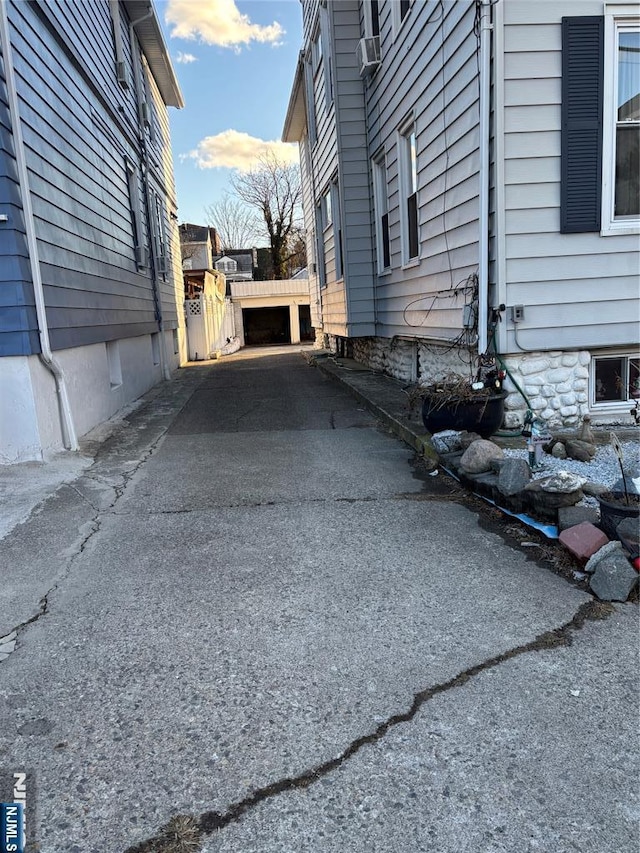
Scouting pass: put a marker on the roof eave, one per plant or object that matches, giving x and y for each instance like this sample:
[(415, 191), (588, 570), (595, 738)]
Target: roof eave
[(155, 50), (296, 119)]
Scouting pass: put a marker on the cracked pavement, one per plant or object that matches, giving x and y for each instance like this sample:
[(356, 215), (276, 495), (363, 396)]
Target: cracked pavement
[(253, 610)]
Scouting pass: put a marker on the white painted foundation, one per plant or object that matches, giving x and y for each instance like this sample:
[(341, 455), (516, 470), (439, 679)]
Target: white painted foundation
[(29, 417)]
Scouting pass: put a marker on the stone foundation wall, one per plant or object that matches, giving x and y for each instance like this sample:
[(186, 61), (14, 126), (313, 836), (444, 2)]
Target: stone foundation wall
[(556, 383)]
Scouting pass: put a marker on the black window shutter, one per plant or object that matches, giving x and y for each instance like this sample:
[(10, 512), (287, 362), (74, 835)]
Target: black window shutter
[(581, 145)]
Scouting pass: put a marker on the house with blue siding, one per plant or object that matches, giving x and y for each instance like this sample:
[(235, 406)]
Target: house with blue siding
[(471, 193), (91, 290)]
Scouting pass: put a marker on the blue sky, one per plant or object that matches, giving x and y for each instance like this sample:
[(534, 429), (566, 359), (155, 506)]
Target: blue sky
[(235, 62)]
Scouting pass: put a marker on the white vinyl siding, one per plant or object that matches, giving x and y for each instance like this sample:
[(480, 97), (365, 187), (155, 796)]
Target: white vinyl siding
[(579, 290)]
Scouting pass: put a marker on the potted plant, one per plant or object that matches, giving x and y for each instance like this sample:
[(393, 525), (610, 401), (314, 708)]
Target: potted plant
[(456, 403), (621, 502)]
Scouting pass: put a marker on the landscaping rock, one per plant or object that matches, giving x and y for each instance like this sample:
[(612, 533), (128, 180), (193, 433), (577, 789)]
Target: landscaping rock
[(513, 476), (628, 532), (477, 457), (562, 482), (446, 441), (570, 516), (580, 450), (583, 540), (558, 450), (594, 489), (601, 553), (614, 578), (496, 465), (632, 479), (467, 438), (586, 433), (548, 503)]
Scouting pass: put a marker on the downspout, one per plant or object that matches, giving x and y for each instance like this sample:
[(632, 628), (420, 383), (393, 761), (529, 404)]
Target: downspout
[(485, 107), (137, 72), (69, 437)]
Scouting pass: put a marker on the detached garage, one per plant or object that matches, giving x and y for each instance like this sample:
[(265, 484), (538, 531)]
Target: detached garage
[(272, 312), (266, 326)]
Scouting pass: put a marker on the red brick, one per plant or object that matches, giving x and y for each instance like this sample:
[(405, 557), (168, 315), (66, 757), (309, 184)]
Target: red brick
[(583, 540)]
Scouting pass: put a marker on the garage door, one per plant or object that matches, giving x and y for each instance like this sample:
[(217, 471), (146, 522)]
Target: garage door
[(266, 326)]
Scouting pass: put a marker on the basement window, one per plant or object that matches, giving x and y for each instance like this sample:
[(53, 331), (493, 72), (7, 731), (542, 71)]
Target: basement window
[(114, 365), (616, 379)]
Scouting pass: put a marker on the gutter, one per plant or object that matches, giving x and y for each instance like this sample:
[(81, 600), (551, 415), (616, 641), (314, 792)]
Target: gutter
[(137, 72), (69, 437), (485, 108)]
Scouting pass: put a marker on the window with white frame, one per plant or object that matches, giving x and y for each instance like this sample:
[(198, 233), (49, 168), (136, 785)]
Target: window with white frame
[(310, 102), (400, 10), (616, 380), (408, 165), (381, 208), (325, 42), (621, 141), (316, 49), (371, 18), (227, 265), (337, 228)]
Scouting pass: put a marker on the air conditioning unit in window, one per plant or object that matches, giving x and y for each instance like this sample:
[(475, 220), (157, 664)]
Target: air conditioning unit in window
[(142, 257), (368, 54), (145, 113), (121, 74)]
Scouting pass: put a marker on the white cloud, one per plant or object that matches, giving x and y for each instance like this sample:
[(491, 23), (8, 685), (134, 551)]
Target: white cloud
[(218, 22), (185, 58), (233, 150)]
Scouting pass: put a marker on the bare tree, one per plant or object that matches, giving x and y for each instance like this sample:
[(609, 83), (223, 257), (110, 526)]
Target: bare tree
[(273, 188), (236, 224)]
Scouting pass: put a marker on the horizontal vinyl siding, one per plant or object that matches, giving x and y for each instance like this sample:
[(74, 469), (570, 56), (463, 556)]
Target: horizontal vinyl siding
[(580, 290), (79, 125), (355, 178), (434, 42)]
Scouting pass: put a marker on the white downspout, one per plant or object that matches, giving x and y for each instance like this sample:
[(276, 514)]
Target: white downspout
[(69, 437), (137, 72), (485, 107)]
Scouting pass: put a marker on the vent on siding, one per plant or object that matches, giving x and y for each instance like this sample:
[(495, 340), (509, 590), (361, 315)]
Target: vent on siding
[(368, 54), (581, 131)]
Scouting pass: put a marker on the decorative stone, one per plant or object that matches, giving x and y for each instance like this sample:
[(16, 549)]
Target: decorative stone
[(583, 540), (570, 516), (548, 502), (579, 384), (535, 365), (569, 412), (568, 399), (629, 533), (538, 403), (446, 441), (614, 578), (558, 451), (562, 482), (467, 439), (548, 391), (581, 397), (601, 553), (594, 490), (569, 359), (563, 388), (477, 457), (513, 476), (584, 357), (586, 433), (561, 374), (512, 420), (547, 414), (580, 450)]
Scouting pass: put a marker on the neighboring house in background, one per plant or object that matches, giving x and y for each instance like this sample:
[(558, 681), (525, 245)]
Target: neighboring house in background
[(198, 244), (237, 264), (90, 282), (470, 175)]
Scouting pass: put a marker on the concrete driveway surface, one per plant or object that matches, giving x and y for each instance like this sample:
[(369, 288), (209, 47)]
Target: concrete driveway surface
[(254, 624)]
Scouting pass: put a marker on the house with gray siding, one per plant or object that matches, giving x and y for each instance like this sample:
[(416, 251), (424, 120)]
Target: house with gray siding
[(471, 193), (91, 288)]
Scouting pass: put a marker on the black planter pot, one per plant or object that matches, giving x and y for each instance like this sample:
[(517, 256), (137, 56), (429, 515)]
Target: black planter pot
[(611, 514), (482, 415)]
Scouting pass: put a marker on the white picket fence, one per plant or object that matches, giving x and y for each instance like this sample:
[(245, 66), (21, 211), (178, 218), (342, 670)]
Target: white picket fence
[(210, 323)]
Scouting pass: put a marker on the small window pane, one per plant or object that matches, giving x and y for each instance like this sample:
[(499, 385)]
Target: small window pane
[(629, 76), (404, 8), (610, 385), (634, 378), (375, 18), (627, 159), (412, 220)]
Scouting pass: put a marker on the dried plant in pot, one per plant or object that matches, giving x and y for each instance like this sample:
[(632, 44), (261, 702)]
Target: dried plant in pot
[(623, 501), (456, 403)]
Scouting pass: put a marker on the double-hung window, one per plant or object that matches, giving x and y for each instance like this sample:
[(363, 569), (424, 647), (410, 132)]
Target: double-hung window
[(408, 165), (381, 208), (371, 18), (621, 160)]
